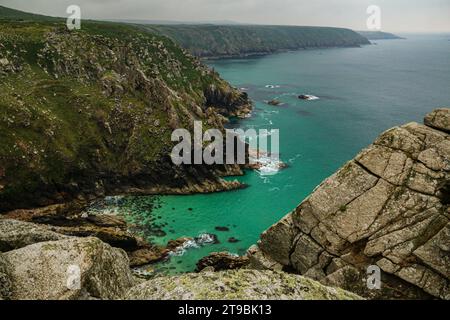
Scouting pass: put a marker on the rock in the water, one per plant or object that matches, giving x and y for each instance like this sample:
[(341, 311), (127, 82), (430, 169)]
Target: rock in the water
[(274, 102), (147, 254), (222, 261), (233, 240), (76, 268), (388, 207), (173, 245), (206, 239), (236, 285), (17, 234), (222, 229)]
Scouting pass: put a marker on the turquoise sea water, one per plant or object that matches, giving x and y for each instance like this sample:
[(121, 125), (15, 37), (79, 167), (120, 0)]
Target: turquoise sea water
[(362, 91)]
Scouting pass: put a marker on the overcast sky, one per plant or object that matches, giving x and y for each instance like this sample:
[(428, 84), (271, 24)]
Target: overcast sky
[(397, 15)]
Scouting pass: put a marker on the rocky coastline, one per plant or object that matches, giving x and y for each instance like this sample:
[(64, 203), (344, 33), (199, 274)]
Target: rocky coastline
[(388, 207)]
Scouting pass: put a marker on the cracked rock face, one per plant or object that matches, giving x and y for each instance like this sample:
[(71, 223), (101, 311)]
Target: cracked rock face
[(388, 207)]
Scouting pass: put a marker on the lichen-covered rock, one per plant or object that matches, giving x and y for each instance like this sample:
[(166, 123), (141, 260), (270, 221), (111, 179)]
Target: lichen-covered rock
[(236, 285), (18, 234), (439, 119), (388, 207), (5, 282), (76, 268)]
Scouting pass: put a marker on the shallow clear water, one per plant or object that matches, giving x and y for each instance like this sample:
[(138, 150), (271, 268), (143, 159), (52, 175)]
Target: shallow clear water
[(362, 91)]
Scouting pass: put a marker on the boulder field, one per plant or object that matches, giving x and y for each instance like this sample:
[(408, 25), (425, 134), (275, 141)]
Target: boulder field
[(38, 264)]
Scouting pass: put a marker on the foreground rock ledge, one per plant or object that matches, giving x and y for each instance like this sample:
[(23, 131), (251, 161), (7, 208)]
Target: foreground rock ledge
[(236, 285), (42, 271), (387, 207)]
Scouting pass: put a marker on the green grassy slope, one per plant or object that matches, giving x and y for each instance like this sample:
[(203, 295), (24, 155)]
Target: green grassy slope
[(212, 40), (237, 40), (84, 112)]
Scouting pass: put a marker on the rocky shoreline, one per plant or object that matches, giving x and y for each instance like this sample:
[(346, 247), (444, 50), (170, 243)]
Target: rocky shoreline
[(388, 208), (39, 264)]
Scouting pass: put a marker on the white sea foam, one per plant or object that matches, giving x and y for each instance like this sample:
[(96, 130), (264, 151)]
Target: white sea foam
[(311, 97), (181, 250), (202, 240), (268, 166), (292, 160)]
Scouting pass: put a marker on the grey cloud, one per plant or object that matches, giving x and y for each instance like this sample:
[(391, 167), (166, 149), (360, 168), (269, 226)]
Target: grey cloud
[(397, 15)]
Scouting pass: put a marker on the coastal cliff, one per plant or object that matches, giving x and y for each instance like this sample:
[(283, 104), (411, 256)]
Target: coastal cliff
[(388, 207), (211, 41), (90, 113)]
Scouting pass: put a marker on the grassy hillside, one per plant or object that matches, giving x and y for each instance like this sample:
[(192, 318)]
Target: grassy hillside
[(236, 40), (85, 112), (218, 41)]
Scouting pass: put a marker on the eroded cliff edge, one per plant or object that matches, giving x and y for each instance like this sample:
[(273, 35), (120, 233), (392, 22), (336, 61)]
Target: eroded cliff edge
[(89, 113), (388, 207)]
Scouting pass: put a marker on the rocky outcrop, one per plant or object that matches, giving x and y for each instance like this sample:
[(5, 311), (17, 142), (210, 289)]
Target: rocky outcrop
[(87, 268), (106, 110), (17, 234), (230, 102), (439, 119), (76, 268), (388, 207), (236, 285), (51, 224), (220, 261)]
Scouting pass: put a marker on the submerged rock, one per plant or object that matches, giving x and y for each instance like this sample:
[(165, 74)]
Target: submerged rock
[(388, 207), (222, 229), (76, 268), (274, 102), (236, 285)]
